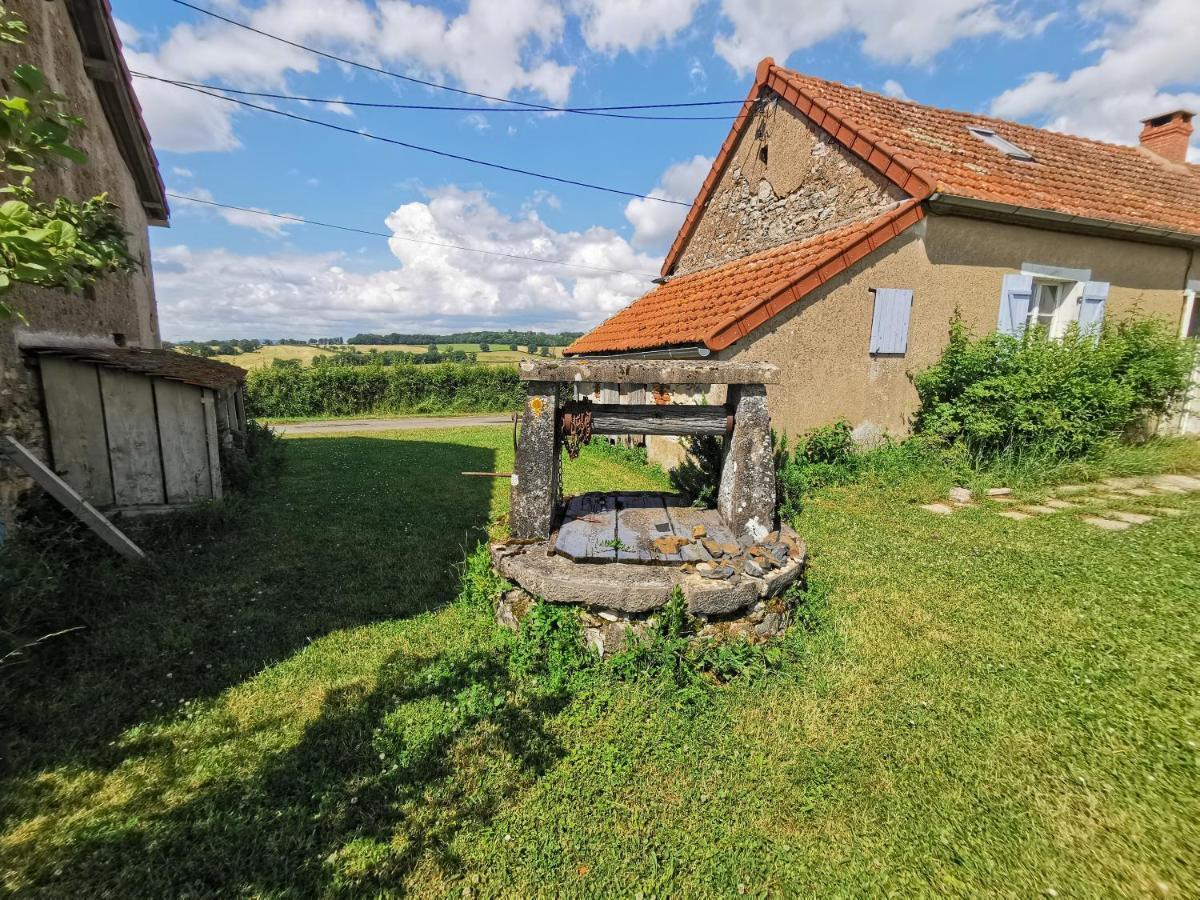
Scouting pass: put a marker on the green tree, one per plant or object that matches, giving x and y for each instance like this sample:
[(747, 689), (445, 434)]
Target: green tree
[(56, 243), (485, 348)]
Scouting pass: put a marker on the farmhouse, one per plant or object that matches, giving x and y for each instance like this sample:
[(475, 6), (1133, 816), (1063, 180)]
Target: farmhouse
[(838, 231), (84, 382)]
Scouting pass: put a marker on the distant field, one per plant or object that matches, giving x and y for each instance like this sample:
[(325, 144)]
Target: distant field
[(264, 355)]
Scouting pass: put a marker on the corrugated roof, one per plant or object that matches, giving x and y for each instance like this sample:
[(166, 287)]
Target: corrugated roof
[(720, 305), (209, 373)]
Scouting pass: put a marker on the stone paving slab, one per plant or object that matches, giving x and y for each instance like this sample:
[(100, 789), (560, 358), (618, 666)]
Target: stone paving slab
[(1015, 515), (1130, 517), (1106, 524)]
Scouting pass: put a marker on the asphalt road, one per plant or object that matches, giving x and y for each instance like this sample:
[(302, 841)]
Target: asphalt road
[(334, 426)]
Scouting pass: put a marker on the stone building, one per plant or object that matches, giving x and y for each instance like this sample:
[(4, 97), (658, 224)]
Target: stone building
[(103, 347), (839, 230)]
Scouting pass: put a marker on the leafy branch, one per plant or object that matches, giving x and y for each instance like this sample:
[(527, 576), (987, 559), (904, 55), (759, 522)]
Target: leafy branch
[(59, 244)]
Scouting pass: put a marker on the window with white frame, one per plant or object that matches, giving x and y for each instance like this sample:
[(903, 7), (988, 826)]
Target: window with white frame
[(1054, 304)]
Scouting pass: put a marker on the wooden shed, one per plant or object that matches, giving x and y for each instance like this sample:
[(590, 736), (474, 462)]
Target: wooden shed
[(139, 430)]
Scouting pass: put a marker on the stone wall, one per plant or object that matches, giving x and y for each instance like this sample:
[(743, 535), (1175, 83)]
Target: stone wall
[(120, 304), (785, 180)]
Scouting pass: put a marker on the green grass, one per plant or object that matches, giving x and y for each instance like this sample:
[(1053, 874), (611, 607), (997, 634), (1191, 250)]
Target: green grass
[(286, 704)]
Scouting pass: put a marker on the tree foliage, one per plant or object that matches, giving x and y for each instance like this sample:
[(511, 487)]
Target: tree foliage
[(56, 243)]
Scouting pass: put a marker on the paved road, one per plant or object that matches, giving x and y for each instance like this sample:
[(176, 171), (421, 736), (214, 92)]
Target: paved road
[(334, 426)]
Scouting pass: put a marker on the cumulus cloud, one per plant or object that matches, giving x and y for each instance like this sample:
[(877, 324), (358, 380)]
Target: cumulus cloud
[(610, 26), (893, 88), (655, 224), (214, 292), (1145, 49), (893, 31), (492, 48)]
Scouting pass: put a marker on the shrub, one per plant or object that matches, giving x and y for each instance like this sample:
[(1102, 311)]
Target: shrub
[(358, 390), (1058, 398), (253, 460), (823, 456)]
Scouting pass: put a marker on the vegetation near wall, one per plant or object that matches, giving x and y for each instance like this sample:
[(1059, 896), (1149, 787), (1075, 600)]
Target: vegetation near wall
[(1057, 398), (363, 390)]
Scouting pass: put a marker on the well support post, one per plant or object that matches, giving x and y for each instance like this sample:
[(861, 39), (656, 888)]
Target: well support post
[(536, 471), (746, 498)]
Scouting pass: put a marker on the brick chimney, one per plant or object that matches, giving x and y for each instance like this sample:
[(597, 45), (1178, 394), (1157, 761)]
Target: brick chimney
[(1167, 135)]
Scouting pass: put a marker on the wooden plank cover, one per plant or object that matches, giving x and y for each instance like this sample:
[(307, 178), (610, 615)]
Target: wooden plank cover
[(76, 419), (212, 432), (184, 442), (684, 518), (132, 437), (641, 518), (589, 524), (658, 419)]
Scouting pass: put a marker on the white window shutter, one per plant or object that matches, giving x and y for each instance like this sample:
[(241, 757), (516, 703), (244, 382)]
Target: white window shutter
[(1015, 296), (1091, 309), (889, 324)]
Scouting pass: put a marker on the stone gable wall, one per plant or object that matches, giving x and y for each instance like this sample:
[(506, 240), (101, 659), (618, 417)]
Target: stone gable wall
[(807, 184), (122, 304)]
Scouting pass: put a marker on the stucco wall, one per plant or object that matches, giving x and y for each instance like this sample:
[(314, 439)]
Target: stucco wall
[(122, 304), (821, 343), (807, 185)]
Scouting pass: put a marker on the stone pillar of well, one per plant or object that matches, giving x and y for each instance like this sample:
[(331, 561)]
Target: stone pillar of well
[(536, 470), (746, 497)]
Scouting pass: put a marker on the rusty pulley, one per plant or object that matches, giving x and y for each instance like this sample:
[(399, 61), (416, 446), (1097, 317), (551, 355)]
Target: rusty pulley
[(576, 422)]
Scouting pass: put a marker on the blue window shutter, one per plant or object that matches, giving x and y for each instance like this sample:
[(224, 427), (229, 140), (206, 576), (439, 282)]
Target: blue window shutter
[(889, 325), (1015, 296), (1091, 310)]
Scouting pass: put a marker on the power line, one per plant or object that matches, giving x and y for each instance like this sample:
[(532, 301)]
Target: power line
[(382, 234), (481, 109), (381, 71), (445, 154)]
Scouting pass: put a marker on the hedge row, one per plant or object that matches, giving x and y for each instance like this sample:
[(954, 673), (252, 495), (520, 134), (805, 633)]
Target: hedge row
[(360, 390)]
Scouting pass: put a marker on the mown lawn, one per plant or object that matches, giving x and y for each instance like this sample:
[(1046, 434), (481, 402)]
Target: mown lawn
[(287, 705)]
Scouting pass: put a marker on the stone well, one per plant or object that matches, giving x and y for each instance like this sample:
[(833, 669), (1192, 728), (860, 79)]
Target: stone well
[(619, 557)]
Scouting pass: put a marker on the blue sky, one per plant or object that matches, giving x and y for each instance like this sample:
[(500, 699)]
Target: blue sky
[(1094, 68)]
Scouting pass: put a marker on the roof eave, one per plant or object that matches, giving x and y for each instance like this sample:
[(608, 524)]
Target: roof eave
[(671, 351), (950, 204), (105, 65)]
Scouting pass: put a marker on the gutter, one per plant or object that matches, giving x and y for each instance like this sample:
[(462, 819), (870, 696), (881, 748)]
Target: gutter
[(687, 351), (948, 204)]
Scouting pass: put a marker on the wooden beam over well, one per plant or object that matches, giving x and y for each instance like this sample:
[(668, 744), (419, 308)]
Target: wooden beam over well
[(615, 418), (649, 371)]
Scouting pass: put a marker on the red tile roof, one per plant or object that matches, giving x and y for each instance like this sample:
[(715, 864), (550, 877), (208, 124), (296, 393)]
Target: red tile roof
[(209, 373), (921, 149), (924, 149), (722, 304)]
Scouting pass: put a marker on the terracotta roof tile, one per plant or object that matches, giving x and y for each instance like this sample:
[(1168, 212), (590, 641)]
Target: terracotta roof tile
[(1068, 174), (719, 305), (209, 373)]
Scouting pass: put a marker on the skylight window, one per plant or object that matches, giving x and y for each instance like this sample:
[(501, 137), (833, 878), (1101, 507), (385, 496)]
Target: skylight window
[(1008, 148)]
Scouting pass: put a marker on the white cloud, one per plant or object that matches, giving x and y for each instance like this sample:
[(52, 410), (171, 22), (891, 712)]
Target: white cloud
[(337, 106), (893, 31), (893, 88), (610, 26), (655, 224), (1145, 49), (129, 35), (492, 48), (218, 292), (242, 218), (181, 172)]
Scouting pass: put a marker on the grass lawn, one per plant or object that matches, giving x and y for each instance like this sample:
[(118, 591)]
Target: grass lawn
[(286, 704)]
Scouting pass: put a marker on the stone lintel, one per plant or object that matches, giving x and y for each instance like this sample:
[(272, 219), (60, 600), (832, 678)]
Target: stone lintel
[(648, 371)]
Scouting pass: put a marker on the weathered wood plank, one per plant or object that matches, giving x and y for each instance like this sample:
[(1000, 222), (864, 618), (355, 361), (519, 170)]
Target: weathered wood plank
[(71, 499), (684, 518), (588, 528), (641, 518), (133, 449), (609, 418), (210, 400), (534, 493), (184, 442), (76, 418), (645, 371)]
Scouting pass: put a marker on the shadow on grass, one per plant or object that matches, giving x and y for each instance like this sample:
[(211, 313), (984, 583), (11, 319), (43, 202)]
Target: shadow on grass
[(357, 530), (380, 783)]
